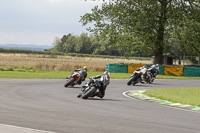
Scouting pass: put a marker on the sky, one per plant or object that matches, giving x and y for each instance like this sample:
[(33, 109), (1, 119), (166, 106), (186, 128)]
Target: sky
[(38, 22)]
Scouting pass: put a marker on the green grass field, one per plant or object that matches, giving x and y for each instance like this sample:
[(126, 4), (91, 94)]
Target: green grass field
[(41, 74), (189, 96)]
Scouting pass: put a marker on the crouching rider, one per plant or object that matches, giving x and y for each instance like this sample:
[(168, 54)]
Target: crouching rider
[(104, 79)]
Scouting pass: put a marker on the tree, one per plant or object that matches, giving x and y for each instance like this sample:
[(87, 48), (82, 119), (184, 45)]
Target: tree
[(84, 44), (189, 31), (141, 25), (57, 45)]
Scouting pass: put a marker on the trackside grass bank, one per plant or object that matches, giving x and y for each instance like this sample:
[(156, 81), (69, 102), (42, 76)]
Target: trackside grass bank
[(190, 96), (50, 74), (38, 74)]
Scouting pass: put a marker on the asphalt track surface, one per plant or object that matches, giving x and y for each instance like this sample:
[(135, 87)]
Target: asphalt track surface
[(44, 104)]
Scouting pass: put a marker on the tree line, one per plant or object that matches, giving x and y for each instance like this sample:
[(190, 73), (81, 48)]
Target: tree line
[(88, 44)]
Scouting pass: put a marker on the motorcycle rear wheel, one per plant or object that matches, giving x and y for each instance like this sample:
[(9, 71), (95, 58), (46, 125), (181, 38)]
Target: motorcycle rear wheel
[(89, 93)]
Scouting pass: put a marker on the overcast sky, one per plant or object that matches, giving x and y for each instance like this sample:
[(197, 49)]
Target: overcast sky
[(40, 21)]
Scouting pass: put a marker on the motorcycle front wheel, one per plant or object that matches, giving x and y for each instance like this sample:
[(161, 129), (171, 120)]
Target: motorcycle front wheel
[(135, 80), (89, 93), (70, 81), (130, 81)]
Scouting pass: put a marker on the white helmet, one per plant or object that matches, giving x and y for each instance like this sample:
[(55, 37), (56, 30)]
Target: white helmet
[(107, 73)]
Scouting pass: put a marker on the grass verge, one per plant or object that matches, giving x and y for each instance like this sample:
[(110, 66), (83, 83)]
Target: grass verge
[(50, 74), (189, 96), (39, 74)]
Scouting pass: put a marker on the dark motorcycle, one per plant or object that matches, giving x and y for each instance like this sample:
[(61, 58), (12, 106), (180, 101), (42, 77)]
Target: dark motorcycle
[(89, 90), (152, 76), (138, 75), (154, 70), (73, 79)]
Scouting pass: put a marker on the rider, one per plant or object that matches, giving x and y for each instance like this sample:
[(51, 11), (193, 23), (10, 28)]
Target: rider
[(154, 69), (82, 72), (105, 79), (143, 73)]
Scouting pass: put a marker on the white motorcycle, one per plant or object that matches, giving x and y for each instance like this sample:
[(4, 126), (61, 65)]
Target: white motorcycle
[(141, 75)]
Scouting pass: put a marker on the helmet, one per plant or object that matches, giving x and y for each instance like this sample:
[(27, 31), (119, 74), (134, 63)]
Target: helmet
[(145, 66), (85, 68), (107, 73)]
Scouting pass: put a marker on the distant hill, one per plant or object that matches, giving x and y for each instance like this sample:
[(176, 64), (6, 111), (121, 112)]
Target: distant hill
[(25, 47)]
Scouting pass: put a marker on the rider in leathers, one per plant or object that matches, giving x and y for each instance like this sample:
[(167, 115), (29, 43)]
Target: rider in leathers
[(82, 72), (105, 79), (154, 69)]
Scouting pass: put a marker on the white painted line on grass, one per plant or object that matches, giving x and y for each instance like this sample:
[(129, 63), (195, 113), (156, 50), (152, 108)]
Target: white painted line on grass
[(124, 93)]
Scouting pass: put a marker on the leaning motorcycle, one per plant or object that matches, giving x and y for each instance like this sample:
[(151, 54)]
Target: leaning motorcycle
[(89, 90), (73, 79), (140, 75)]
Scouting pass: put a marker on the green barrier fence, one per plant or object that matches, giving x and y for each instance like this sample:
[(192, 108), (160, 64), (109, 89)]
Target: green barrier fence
[(123, 68), (117, 68), (191, 71), (161, 69)]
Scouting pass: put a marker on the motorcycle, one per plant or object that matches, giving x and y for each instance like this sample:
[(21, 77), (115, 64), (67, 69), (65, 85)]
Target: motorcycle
[(89, 89), (73, 79), (140, 75)]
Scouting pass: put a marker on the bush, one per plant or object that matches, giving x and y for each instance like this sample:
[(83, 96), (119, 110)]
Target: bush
[(9, 69), (29, 51)]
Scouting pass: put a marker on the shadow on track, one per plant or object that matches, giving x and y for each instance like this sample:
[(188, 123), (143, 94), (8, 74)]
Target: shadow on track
[(141, 85), (148, 85), (102, 99), (72, 87)]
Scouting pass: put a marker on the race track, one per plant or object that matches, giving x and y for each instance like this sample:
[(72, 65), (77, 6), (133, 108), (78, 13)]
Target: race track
[(44, 104)]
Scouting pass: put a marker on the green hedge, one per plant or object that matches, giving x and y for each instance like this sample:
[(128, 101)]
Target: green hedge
[(28, 51)]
